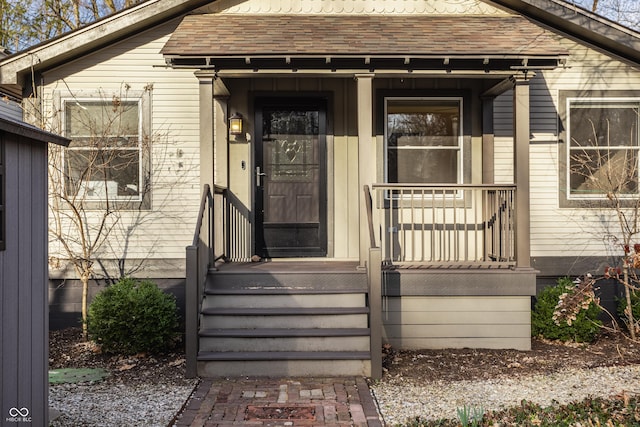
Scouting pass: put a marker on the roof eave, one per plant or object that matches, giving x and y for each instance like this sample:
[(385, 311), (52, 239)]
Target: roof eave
[(31, 132), (581, 24), (13, 91), (92, 37)]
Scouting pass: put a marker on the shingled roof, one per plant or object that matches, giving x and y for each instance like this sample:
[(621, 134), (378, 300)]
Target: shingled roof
[(255, 35)]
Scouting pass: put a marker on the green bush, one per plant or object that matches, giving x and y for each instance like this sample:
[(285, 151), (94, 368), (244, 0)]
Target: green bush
[(131, 317), (635, 307), (584, 328)]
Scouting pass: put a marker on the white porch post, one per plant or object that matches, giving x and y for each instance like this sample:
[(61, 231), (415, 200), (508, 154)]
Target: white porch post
[(220, 139), (206, 79), (213, 99), (521, 132), (366, 156)]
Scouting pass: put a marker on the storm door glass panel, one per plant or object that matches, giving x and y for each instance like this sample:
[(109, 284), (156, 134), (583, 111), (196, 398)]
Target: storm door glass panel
[(292, 193), (291, 165), (423, 141)]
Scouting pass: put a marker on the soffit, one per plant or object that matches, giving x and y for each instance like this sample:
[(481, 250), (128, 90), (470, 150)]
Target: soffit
[(219, 40)]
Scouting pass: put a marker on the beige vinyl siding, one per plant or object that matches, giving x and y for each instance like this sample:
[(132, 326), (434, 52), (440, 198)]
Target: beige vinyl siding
[(163, 231), (346, 185), (574, 231), (503, 143), (10, 109), (346, 188), (417, 322), (559, 231)]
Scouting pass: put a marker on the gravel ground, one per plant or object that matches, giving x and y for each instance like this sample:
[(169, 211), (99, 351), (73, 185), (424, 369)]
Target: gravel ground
[(156, 404), (147, 391), (399, 401), (115, 405)]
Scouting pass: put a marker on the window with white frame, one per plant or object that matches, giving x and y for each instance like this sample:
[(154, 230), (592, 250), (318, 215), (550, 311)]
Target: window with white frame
[(423, 140), (602, 147), (106, 158)]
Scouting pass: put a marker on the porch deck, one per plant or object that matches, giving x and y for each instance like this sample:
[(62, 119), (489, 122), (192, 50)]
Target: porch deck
[(301, 265), (291, 265), (410, 278)]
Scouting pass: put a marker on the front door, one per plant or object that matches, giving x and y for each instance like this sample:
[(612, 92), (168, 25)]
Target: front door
[(290, 177)]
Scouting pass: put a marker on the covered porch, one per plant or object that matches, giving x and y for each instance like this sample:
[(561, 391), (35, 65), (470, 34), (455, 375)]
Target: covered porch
[(437, 274), (430, 253)]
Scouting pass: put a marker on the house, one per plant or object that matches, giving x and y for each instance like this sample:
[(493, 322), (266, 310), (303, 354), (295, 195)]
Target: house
[(24, 272), (9, 102), (356, 172)]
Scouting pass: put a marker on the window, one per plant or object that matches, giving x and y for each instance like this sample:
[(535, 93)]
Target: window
[(3, 208), (603, 144), (423, 140), (108, 155)]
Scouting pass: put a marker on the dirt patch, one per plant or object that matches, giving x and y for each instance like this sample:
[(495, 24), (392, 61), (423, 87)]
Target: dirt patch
[(68, 350), (545, 357)]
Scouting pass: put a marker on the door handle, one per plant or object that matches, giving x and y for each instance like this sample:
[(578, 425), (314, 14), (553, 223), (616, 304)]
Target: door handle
[(259, 176)]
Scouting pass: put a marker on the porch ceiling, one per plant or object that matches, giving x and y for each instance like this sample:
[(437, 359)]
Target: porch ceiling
[(357, 42)]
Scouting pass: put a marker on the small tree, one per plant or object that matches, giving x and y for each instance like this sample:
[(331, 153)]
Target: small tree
[(93, 180), (599, 166)]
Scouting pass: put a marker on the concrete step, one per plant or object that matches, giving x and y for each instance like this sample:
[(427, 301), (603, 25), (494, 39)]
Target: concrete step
[(270, 340), (285, 319), (277, 364), (256, 318), (255, 300), (281, 332)]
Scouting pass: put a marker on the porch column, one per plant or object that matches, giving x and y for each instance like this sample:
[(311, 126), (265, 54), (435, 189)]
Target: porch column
[(213, 97), (205, 79), (521, 140), (366, 156), (220, 142)]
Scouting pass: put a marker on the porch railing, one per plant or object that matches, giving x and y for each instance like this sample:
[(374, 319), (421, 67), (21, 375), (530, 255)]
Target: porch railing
[(446, 224), (207, 246)]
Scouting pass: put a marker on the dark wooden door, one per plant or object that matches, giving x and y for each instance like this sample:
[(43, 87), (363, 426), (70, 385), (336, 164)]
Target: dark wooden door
[(291, 177)]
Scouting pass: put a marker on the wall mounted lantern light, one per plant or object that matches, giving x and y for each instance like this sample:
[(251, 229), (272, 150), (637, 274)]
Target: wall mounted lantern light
[(236, 124)]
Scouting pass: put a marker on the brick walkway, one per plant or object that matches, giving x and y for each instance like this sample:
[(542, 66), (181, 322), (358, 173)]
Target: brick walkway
[(280, 402)]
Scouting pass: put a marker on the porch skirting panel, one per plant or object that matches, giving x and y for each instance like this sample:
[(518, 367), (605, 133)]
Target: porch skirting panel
[(462, 281), (436, 322)]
